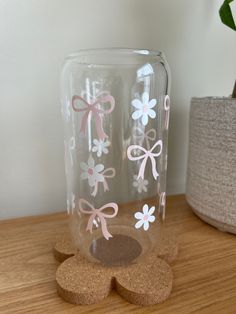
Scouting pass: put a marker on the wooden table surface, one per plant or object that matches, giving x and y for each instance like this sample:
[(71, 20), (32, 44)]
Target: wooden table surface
[(204, 274)]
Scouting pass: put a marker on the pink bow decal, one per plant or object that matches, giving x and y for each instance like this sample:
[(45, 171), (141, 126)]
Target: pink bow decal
[(147, 154), (98, 212), (140, 135), (107, 173), (167, 111), (95, 111)]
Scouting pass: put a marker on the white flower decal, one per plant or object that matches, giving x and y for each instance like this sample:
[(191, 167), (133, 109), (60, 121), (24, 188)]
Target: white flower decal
[(145, 217), (144, 108), (92, 172), (100, 146), (140, 183)]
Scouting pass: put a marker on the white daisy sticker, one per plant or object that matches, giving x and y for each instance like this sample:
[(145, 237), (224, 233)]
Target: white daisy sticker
[(92, 172), (100, 147), (145, 217), (140, 184), (144, 108)]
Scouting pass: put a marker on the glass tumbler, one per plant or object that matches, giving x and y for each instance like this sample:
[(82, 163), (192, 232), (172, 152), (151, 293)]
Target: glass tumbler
[(115, 107)]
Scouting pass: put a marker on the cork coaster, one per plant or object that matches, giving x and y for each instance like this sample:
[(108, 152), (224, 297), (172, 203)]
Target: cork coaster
[(82, 282), (148, 282), (63, 248), (167, 249)]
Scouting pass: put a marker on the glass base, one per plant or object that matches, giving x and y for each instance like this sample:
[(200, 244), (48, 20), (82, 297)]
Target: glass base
[(118, 251), (127, 245)]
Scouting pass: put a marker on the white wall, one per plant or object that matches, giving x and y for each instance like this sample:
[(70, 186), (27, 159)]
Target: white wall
[(35, 36)]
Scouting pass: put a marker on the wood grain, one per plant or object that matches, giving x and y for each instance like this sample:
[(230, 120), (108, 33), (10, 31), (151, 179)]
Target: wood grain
[(205, 272)]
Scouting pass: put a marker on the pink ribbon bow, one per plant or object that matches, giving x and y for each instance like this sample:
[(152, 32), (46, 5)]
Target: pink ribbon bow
[(147, 154), (167, 111), (140, 135), (107, 173), (98, 212), (95, 111)]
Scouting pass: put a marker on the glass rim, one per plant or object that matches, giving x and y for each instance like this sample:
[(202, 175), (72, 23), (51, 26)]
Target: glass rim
[(113, 51)]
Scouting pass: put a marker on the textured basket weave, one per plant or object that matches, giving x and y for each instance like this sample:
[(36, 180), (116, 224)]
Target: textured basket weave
[(211, 175)]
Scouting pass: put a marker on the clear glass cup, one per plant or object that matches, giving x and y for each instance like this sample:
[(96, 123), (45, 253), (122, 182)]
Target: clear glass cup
[(115, 107)]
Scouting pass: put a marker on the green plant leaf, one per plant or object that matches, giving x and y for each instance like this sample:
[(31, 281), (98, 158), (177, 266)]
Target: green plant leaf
[(226, 14)]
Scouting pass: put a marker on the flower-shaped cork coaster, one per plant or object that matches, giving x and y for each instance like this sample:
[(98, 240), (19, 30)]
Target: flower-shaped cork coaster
[(145, 283)]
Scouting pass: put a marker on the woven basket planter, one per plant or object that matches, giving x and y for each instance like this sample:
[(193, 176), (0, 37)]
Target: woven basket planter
[(211, 174)]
